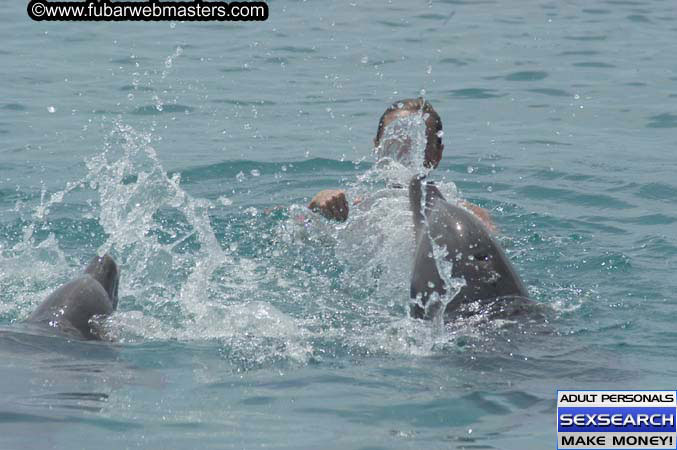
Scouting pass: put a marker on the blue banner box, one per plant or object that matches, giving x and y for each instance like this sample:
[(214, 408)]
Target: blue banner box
[(616, 420), (609, 420)]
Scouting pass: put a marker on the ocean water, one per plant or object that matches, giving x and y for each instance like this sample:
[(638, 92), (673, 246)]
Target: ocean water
[(189, 151)]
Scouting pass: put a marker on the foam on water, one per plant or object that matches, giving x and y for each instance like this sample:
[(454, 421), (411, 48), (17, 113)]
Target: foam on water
[(179, 282), (315, 287), (28, 272), (539, 130), (187, 286)]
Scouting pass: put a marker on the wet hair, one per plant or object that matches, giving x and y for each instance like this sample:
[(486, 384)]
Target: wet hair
[(433, 121)]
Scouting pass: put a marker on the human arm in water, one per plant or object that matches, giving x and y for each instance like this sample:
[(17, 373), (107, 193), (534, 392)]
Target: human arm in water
[(333, 205)]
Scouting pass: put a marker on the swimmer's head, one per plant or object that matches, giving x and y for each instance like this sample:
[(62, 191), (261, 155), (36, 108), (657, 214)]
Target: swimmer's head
[(404, 109)]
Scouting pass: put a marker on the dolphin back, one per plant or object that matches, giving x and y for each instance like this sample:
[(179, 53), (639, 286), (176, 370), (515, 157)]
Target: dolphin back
[(475, 255), (72, 305), (70, 308)]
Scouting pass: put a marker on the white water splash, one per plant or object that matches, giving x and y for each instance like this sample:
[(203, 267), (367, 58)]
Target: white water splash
[(437, 304), (32, 267), (404, 141), (187, 268), (376, 247), (29, 271)]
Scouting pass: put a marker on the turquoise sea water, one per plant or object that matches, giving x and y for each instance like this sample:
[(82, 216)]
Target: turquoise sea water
[(171, 145)]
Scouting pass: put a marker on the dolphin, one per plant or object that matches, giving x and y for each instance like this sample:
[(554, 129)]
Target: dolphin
[(70, 308), (476, 258)]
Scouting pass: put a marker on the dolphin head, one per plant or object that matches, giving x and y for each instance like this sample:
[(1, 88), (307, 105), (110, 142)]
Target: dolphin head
[(104, 270)]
